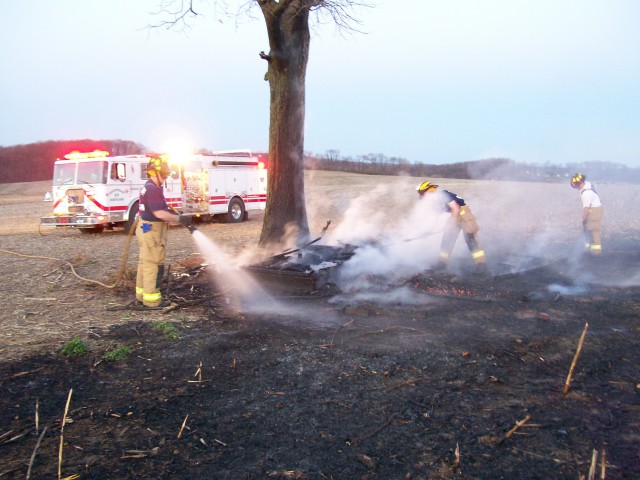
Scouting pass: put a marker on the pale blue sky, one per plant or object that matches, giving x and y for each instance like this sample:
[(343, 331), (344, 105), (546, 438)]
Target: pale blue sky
[(434, 81)]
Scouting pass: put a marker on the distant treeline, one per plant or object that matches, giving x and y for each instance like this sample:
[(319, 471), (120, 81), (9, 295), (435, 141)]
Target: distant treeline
[(34, 162), (489, 169)]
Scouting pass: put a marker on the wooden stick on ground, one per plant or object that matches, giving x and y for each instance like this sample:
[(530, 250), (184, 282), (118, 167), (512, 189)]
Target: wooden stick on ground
[(456, 462), (592, 468), (603, 465), (516, 427), (64, 420), (339, 328), (21, 374), (197, 374), (182, 427), (565, 390), (359, 439), (33, 455), (37, 417)]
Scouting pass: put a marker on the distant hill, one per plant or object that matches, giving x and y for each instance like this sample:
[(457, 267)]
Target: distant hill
[(33, 162), (488, 169)]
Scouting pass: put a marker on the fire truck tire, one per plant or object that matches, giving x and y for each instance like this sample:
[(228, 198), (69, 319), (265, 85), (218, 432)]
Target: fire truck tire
[(236, 211), (133, 213)]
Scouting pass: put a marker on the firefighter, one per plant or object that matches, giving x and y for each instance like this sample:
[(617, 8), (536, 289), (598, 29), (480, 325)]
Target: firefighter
[(461, 218), (592, 213), (153, 226)]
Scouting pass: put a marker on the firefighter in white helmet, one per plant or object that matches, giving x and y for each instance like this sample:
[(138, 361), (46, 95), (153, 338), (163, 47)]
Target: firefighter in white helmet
[(592, 214), (461, 218), (153, 227)]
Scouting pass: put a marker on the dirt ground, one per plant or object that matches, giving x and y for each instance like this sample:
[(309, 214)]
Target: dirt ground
[(459, 376)]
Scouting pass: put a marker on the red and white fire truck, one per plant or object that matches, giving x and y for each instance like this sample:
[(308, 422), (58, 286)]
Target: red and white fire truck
[(93, 191)]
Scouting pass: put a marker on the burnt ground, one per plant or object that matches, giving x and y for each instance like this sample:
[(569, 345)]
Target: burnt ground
[(368, 390)]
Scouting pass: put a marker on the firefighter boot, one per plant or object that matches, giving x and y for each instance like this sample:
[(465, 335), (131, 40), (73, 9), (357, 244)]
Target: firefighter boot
[(481, 270)]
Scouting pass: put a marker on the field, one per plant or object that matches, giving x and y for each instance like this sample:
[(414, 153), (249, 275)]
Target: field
[(394, 372)]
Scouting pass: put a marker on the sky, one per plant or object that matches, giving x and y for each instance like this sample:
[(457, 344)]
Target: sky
[(545, 81)]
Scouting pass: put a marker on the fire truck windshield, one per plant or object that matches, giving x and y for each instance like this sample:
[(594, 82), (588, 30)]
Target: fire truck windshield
[(92, 172), (88, 173), (64, 174)]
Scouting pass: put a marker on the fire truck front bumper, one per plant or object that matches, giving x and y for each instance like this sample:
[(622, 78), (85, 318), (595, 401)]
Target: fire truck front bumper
[(77, 221)]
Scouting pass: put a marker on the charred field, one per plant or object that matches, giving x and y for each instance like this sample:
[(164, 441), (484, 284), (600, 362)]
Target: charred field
[(366, 391), (467, 380)]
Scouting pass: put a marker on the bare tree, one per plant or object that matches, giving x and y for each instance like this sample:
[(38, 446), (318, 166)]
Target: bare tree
[(332, 155), (287, 24)]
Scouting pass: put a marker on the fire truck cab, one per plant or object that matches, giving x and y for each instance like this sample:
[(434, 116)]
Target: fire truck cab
[(93, 191)]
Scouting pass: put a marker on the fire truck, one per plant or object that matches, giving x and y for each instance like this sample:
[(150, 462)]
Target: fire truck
[(93, 191)]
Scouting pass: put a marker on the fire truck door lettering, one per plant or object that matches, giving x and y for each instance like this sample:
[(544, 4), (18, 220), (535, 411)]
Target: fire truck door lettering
[(117, 196)]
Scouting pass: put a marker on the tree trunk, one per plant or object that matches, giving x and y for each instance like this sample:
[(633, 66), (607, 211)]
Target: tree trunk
[(285, 219)]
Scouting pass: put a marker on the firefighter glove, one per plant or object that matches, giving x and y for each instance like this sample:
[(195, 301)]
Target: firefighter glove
[(184, 220)]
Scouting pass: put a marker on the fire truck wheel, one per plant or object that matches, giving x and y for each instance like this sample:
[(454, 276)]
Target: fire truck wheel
[(236, 211), (132, 217)]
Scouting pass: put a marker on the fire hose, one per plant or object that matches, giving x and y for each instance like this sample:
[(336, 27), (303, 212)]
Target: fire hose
[(123, 261), (404, 240), (121, 270)]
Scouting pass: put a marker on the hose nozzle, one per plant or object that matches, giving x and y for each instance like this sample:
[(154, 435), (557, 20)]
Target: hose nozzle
[(191, 228)]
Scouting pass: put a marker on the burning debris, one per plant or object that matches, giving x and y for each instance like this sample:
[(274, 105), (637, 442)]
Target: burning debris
[(304, 270)]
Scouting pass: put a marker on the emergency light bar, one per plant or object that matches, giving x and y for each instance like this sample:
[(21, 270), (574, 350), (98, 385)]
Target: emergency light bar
[(217, 163), (76, 155), (231, 153)]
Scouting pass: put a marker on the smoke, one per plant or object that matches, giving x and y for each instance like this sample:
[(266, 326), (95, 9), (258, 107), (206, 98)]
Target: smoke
[(393, 296), (360, 221), (568, 290), (245, 294), (523, 225), (390, 251), (633, 281)]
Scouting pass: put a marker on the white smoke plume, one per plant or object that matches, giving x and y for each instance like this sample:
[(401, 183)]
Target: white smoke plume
[(523, 225), (389, 251)]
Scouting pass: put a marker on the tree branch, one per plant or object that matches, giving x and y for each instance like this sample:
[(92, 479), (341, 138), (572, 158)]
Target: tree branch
[(181, 11)]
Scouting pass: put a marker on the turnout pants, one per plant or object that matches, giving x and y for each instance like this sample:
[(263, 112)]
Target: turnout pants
[(592, 228), (466, 222), (152, 238)]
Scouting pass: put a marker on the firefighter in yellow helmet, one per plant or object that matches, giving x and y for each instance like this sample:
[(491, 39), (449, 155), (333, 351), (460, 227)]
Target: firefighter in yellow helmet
[(592, 213), (152, 230), (461, 218)]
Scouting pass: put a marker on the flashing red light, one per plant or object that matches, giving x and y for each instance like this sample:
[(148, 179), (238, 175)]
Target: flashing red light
[(76, 155), (263, 160)]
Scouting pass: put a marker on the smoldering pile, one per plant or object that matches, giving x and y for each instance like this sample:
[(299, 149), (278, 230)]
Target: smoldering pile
[(302, 270)]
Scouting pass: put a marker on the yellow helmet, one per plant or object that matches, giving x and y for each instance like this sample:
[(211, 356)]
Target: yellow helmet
[(158, 165), (424, 187), (577, 180)]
